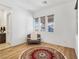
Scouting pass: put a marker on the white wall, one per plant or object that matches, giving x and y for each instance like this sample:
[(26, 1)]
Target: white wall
[(21, 26), (19, 22), (2, 18), (65, 19)]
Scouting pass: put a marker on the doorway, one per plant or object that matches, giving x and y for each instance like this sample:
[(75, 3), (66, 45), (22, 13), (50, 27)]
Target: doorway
[(5, 27)]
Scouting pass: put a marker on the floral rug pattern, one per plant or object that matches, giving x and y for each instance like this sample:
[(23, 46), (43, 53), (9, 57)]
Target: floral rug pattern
[(41, 53)]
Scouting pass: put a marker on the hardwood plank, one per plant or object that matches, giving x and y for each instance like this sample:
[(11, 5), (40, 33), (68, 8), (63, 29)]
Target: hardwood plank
[(14, 52)]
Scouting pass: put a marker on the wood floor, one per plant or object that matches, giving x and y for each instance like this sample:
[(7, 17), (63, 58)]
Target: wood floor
[(4, 46), (14, 52)]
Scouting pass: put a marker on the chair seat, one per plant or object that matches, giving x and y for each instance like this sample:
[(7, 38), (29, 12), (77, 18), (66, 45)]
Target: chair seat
[(33, 40)]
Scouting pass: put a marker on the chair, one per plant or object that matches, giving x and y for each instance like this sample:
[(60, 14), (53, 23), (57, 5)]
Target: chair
[(33, 38)]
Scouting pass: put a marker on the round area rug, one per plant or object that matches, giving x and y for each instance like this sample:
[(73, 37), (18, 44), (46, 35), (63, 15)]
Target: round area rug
[(41, 53)]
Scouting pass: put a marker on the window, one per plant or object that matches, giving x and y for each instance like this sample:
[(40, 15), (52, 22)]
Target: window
[(36, 24), (44, 23), (50, 23), (42, 19)]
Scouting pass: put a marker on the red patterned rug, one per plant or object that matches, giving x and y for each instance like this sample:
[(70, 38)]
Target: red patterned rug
[(41, 53)]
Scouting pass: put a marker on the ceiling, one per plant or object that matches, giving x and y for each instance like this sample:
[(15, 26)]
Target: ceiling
[(37, 4), (33, 5)]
